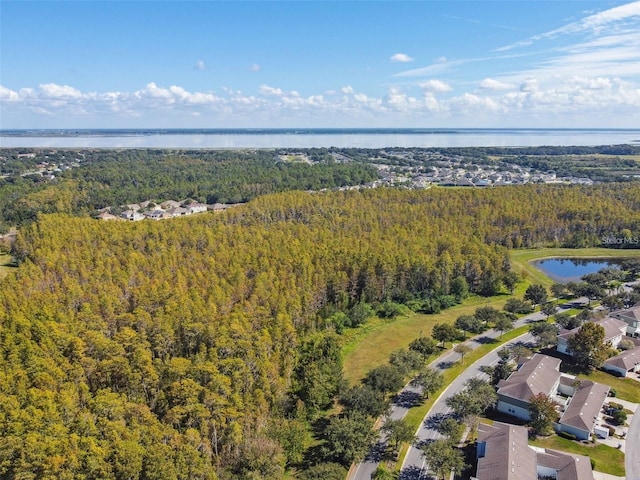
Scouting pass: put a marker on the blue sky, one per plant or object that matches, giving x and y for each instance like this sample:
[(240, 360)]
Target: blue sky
[(216, 64)]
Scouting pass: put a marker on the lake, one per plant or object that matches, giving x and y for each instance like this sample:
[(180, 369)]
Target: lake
[(308, 138), (564, 270)]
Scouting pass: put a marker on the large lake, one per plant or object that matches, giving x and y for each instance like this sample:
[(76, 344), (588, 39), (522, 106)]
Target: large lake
[(571, 269), (307, 138)]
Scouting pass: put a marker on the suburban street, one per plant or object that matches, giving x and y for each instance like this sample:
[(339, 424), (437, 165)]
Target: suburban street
[(410, 395)]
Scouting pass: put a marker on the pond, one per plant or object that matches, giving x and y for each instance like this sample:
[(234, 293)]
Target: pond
[(564, 270)]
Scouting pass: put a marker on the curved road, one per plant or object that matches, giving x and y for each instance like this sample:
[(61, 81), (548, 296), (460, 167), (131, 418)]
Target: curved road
[(410, 396)]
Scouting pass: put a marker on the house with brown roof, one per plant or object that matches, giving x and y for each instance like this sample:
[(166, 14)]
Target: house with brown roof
[(503, 453), (541, 374), (614, 332), (578, 402), (631, 316), (625, 362), (580, 415)]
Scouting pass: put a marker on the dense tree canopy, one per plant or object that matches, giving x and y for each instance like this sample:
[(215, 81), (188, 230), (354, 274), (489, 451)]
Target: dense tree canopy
[(166, 349)]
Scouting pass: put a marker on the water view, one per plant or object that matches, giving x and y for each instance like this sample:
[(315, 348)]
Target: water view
[(314, 138), (571, 269)]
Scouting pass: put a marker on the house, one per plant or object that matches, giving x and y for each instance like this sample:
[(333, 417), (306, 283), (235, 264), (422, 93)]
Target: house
[(178, 212), (157, 214), (614, 331), (580, 415), (578, 402), (106, 216), (170, 204), (631, 317), (627, 361), (541, 374), (196, 207), (503, 453), (132, 215)]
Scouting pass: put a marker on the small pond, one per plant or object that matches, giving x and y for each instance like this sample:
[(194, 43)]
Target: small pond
[(571, 269)]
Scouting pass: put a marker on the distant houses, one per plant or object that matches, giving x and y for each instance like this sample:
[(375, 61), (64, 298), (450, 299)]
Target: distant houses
[(169, 209), (614, 332), (631, 316)]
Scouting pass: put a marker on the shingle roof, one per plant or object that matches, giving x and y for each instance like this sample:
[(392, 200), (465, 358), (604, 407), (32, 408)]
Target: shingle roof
[(626, 360), (568, 467), (585, 405), (612, 328), (538, 375), (507, 454)]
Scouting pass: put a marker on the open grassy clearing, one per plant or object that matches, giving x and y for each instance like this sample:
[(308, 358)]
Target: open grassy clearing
[(5, 268), (626, 388), (607, 459), (369, 346)]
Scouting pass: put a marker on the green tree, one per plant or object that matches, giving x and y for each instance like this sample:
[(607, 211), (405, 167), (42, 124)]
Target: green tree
[(444, 332), (487, 315), (587, 346), (406, 360), (425, 346), (549, 309), (536, 294), (503, 324), (325, 471), (545, 333), (365, 400), (442, 458), (398, 431), (385, 379), (451, 429), (348, 438), (462, 349), (468, 323), (542, 414), (429, 380)]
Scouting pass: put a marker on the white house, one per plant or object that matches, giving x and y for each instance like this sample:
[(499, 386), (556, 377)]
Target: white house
[(132, 215), (627, 361), (631, 317), (614, 331)]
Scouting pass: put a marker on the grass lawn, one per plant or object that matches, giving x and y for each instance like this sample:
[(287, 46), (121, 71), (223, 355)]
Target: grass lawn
[(607, 459), (626, 388), (5, 260), (370, 345)]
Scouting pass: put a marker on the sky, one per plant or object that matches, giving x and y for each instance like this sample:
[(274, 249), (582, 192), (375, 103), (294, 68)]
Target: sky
[(320, 64)]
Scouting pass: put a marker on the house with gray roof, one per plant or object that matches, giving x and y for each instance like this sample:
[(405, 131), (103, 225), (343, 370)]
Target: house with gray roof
[(631, 316), (580, 415), (503, 453), (541, 374), (578, 402), (625, 362), (614, 332)]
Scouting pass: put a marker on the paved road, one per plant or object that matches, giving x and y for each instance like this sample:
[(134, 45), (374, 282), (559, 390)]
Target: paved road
[(413, 466), (410, 396)]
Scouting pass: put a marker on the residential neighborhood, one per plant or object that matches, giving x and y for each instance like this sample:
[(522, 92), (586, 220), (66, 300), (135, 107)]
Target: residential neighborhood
[(148, 210)]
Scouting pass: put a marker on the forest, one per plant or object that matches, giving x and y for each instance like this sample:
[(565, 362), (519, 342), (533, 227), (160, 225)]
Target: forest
[(209, 347)]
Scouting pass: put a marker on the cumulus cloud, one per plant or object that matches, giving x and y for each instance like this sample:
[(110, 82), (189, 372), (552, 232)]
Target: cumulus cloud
[(59, 91), (401, 57), (270, 91), (493, 84), (347, 90), (435, 86)]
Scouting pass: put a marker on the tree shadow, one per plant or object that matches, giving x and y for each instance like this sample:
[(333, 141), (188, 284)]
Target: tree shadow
[(414, 473), (444, 365), (432, 422), (407, 399), (484, 340)]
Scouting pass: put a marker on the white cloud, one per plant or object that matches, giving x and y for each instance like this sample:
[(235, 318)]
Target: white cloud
[(8, 95), (59, 91), (255, 68), (493, 84), (200, 65), (436, 86), (347, 90), (401, 57), (270, 91)]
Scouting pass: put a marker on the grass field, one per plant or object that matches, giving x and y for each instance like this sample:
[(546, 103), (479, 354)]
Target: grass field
[(370, 345), (607, 459), (5, 260)]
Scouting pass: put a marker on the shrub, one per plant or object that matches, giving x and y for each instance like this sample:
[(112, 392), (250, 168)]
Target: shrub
[(567, 435)]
